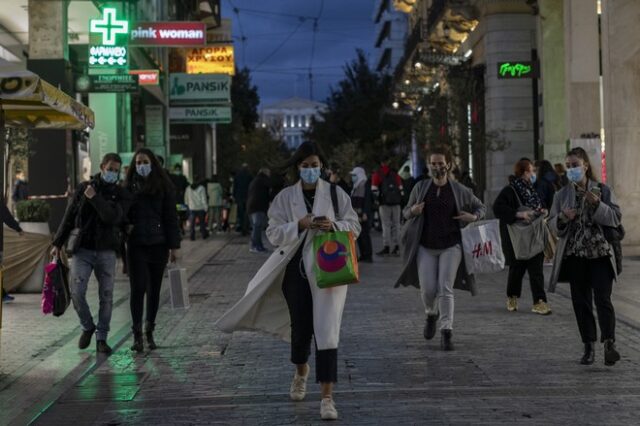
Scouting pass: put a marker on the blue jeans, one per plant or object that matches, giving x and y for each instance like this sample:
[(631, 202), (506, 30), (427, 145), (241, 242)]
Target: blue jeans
[(259, 224), (200, 215), (103, 264)]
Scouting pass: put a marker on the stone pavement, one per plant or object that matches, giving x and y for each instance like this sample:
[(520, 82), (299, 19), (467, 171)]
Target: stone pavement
[(39, 357), (508, 368)]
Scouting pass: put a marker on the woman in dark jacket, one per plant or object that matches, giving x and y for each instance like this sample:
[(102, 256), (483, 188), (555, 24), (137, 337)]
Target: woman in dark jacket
[(153, 239), (546, 177), (362, 203), (507, 207)]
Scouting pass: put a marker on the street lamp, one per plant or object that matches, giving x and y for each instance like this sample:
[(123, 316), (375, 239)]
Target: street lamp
[(395, 105)]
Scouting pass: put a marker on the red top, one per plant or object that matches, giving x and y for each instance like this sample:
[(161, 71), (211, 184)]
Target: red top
[(378, 177)]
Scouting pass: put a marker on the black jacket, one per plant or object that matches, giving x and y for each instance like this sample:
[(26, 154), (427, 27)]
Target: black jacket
[(153, 218), (100, 218), (505, 208), (259, 194), (241, 183), (546, 191)]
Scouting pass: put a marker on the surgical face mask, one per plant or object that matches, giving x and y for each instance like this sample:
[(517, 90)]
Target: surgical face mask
[(354, 177), (143, 169), (310, 175), (438, 172), (575, 174), (533, 179), (110, 176)]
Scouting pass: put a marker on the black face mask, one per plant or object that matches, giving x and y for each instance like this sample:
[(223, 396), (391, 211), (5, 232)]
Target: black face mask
[(438, 172)]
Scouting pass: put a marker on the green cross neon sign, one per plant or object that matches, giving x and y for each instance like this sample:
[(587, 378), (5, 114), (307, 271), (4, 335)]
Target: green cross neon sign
[(109, 27)]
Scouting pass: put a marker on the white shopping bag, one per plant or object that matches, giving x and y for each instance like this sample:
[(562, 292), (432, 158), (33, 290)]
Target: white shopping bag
[(482, 247), (178, 287)]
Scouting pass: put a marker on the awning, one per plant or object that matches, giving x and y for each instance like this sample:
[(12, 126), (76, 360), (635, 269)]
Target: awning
[(30, 102)]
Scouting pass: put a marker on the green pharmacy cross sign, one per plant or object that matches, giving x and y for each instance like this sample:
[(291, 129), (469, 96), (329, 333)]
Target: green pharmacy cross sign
[(516, 69), (106, 52)]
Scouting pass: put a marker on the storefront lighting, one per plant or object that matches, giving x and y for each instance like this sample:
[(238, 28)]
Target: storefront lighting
[(418, 65), (403, 95), (468, 53), (395, 105), (435, 86), (407, 82)]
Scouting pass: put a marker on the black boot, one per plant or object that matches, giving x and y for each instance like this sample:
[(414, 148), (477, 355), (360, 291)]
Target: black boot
[(85, 338), (430, 326), (589, 353), (384, 251), (445, 341), (103, 347), (138, 344), (396, 251), (611, 355), (148, 332)]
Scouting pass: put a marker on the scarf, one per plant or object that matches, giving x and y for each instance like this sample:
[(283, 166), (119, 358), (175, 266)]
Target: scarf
[(528, 195)]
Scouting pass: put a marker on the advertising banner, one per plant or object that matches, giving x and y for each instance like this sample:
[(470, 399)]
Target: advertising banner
[(211, 60), (107, 83), (200, 114), (169, 34), (199, 88), (147, 77)]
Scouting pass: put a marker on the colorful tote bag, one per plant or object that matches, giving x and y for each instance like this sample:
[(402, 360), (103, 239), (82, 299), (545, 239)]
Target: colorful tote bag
[(336, 262)]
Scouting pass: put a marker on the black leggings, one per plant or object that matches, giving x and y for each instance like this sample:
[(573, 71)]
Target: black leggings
[(146, 269), (298, 295)]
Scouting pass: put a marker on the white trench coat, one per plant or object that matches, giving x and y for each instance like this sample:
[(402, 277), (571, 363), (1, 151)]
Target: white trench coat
[(263, 306)]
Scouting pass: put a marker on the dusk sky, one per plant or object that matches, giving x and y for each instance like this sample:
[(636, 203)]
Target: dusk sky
[(279, 37)]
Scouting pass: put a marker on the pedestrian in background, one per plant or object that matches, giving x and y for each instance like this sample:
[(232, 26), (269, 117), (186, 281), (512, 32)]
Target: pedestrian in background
[(153, 240), (407, 184), (180, 185), (95, 215), (519, 201), (296, 215), (241, 182), (9, 220), (433, 242), (334, 174), (196, 198), (362, 203), (562, 176), (257, 207), (544, 182), (214, 196), (20, 188), (580, 212), (387, 187)]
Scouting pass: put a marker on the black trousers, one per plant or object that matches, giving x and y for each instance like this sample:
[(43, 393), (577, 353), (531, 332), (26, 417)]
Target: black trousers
[(517, 270), (146, 269), (364, 240), (295, 288), (592, 279)]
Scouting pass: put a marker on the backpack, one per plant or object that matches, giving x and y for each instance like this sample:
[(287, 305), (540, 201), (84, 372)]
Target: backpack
[(390, 193), (614, 235)]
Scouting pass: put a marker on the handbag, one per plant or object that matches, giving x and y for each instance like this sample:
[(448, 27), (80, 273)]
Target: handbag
[(614, 236), (336, 262), (527, 238), (482, 247), (59, 281)]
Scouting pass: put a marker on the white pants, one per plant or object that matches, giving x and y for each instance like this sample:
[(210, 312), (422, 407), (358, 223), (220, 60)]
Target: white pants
[(390, 218), (437, 271)]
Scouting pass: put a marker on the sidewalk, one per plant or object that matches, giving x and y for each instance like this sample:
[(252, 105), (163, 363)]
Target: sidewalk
[(508, 368), (39, 357)]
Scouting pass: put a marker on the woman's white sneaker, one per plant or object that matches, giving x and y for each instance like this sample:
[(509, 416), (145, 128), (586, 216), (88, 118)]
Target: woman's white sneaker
[(299, 387), (328, 409)]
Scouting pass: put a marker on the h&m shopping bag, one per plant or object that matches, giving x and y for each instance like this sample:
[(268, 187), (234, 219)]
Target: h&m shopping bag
[(482, 247), (336, 262)]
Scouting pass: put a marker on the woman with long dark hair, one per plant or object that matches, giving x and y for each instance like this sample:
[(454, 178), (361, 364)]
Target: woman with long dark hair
[(544, 182), (519, 201), (283, 298), (581, 212), (153, 239)]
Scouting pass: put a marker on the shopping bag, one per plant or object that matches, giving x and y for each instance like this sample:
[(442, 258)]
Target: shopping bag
[(178, 287), (48, 294), (60, 284), (336, 262), (482, 247), (528, 238)]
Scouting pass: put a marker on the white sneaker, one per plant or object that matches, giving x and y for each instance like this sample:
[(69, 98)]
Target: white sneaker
[(299, 387), (328, 409)]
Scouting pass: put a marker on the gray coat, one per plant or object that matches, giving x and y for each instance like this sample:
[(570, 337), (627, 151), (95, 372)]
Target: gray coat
[(412, 232), (607, 214)]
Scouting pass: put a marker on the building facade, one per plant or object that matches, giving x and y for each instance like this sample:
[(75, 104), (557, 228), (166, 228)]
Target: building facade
[(289, 120), (390, 33)]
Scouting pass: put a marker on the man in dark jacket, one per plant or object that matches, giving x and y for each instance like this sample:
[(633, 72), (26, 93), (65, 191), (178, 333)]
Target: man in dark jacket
[(91, 230), (7, 219), (241, 183), (20, 188), (257, 206), (181, 183)]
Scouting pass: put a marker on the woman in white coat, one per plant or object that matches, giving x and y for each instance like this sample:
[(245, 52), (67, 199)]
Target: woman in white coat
[(283, 298)]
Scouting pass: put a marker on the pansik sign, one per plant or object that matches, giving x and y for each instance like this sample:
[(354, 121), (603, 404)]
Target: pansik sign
[(200, 88), (168, 34), (200, 114), (211, 60), (107, 83), (517, 70), (108, 41), (147, 77)]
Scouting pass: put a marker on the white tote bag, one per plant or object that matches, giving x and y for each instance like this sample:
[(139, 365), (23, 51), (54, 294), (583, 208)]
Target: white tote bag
[(178, 287), (482, 247)]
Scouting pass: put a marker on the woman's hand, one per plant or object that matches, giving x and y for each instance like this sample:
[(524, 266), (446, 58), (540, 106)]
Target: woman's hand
[(466, 217), (592, 198), (55, 252), (570, 214), (525, 215), (323, 225), (305, 223), (173, 255), (417, 209)]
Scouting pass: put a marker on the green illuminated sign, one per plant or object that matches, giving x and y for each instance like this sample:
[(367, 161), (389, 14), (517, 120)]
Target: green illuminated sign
[(108, 41), (517, 70)]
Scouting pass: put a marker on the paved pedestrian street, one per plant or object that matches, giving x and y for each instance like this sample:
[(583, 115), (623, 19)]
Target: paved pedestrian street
[(508, 368)]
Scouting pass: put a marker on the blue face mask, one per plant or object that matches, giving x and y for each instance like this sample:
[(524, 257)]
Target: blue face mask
[(310, 175), (533, 179), (143, 170), (575, 174), (110, 177)]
